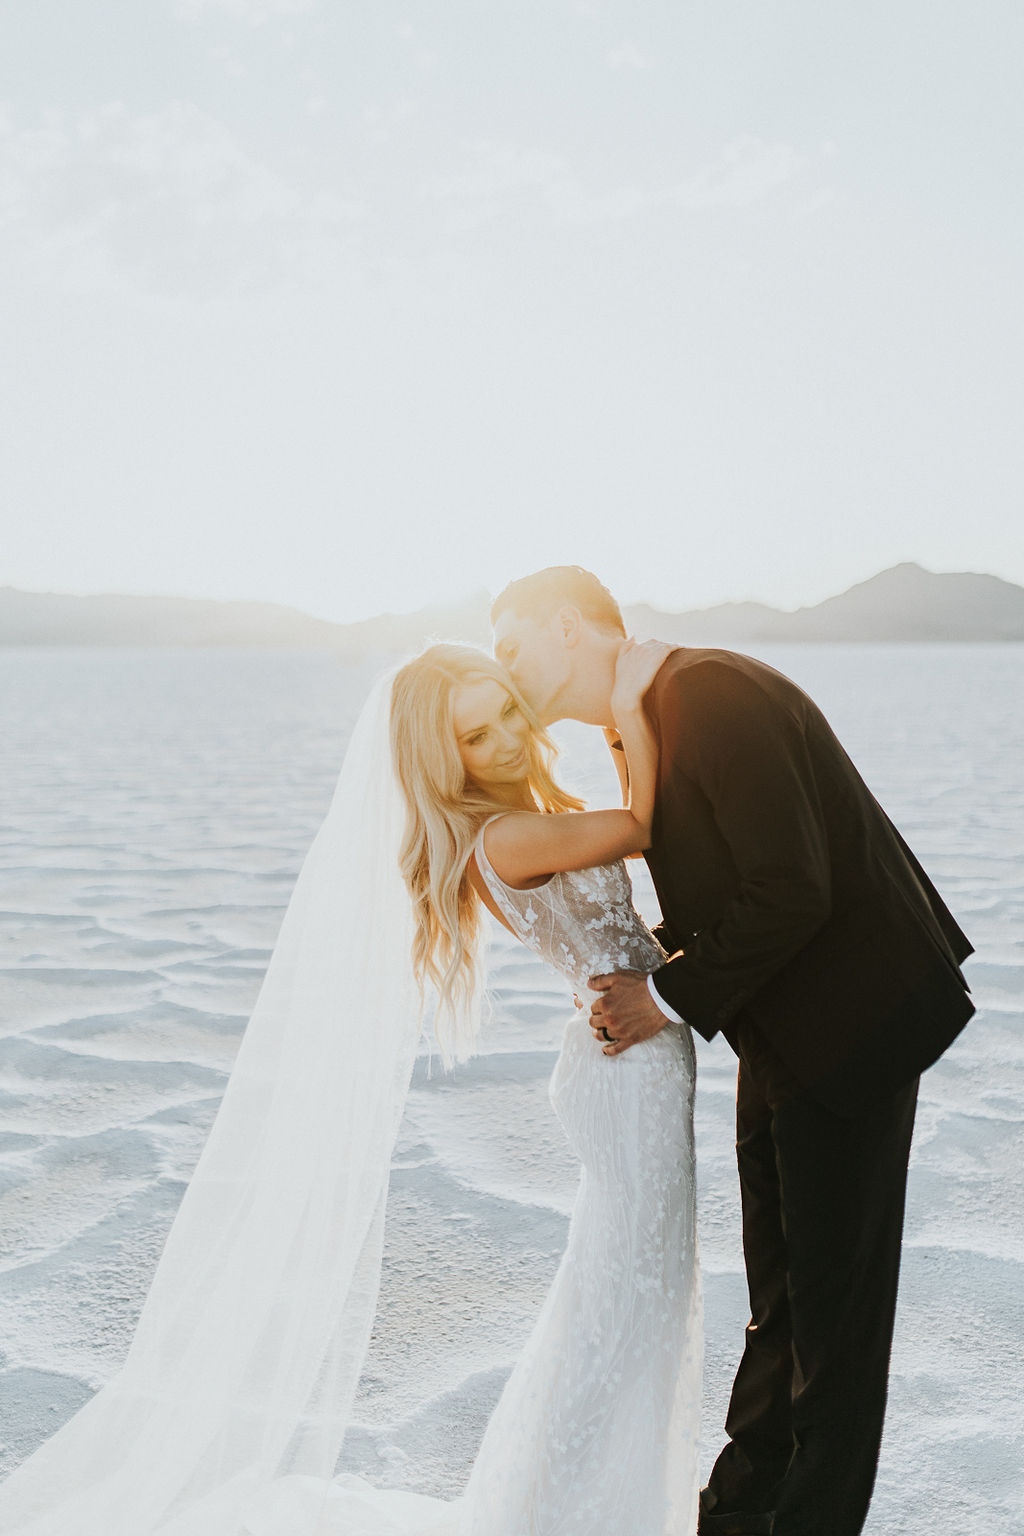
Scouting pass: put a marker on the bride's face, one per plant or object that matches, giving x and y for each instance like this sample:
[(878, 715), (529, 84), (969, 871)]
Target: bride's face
[(491, 732)]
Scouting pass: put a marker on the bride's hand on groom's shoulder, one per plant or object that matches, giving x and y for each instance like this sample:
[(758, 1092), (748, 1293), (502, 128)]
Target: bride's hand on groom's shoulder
[(636, 667)]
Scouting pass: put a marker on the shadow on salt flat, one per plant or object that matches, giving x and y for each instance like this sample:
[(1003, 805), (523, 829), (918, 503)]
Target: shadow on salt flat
[(47, 995), (66, 1187), (60, 1092), (33, 1404), (163, 1031), (72, 1312)]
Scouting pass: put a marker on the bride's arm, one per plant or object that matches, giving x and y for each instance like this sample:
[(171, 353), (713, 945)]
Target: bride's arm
[(523, 847)]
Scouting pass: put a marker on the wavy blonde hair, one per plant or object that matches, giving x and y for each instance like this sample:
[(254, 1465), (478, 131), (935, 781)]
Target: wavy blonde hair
[(444, 812)]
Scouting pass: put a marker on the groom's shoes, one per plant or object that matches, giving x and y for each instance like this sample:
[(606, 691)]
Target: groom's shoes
[(731, 1522)]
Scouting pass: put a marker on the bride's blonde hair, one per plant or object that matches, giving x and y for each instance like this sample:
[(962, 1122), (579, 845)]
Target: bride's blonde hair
[(444, 812)]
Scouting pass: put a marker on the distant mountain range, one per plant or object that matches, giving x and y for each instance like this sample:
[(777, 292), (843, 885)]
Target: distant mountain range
[(906, 603)]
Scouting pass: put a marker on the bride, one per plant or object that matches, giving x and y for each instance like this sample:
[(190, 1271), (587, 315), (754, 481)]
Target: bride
[(228, 1415)]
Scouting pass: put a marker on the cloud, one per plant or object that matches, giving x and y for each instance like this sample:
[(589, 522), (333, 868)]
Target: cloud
[(170, 199), (747, 171), (173, 201)]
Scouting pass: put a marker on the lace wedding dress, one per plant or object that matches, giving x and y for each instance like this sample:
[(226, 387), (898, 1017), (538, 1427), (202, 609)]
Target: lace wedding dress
[(596, 1432)]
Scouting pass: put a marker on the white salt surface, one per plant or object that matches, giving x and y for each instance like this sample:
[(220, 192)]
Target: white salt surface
[(157, 806)]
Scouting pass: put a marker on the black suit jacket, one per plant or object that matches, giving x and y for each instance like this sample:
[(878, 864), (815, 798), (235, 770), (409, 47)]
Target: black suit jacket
[(800, 916)]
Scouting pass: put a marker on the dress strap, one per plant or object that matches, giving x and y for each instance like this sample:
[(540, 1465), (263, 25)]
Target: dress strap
[(487, 868)]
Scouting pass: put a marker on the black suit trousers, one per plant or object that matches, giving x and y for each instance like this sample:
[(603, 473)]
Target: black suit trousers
[(823, 1200)]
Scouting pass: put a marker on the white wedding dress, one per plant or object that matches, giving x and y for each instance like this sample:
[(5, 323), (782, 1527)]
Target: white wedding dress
[(596, 1432), (228, 1414), (597, 1429)]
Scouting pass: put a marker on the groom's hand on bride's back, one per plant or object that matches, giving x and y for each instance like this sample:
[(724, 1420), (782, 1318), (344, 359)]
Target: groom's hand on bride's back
[(625, 1013)]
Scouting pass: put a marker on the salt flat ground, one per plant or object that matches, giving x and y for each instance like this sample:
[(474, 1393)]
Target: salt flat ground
[(156, 809)]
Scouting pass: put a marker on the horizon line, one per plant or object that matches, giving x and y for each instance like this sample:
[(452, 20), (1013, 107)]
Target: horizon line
[(468, 596)]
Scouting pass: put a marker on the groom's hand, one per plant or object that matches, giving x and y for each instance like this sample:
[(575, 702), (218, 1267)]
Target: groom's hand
[(625, 1009)]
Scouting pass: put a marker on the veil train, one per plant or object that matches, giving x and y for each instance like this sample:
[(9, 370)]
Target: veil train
[(228, 1414)]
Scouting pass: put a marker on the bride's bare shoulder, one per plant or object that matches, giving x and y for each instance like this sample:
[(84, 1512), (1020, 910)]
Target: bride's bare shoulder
[(512, 842)]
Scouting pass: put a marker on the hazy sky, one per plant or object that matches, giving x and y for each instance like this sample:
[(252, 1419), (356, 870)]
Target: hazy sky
[(359, 304)]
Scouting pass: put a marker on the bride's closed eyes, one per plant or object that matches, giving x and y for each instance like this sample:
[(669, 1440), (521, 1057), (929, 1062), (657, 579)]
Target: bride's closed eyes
[(511, 708)]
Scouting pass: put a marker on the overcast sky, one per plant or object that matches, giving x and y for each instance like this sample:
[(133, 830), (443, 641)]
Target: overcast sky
[(361, 305)]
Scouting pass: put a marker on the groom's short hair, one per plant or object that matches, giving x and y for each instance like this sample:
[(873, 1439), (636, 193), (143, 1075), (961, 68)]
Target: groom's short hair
[(541, 594)]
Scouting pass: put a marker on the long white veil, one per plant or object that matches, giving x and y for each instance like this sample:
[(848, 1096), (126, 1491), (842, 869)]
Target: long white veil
[(248, 1350)]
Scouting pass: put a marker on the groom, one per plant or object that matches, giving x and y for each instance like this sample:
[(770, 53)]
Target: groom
[(800, 925)]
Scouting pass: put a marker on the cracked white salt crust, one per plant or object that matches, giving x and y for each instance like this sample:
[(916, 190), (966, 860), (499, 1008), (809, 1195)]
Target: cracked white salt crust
[(157, 808)]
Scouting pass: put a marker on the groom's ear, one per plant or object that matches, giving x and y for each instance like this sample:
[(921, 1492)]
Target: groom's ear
[(570, 624)]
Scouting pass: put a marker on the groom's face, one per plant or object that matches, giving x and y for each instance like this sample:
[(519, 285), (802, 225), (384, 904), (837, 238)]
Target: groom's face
[(537, 659)]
